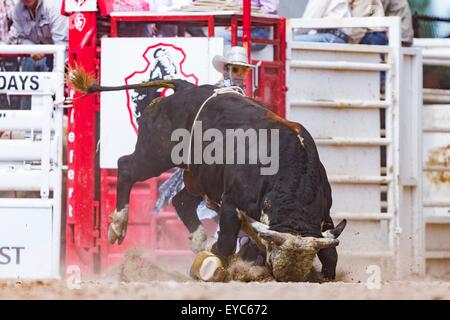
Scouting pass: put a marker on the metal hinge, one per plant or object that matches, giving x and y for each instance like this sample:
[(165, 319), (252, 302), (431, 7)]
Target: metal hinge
[(97, 221)]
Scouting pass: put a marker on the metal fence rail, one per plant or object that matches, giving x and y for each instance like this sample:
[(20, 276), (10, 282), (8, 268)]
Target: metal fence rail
[(334, 91), (32, 162), (436, 167)]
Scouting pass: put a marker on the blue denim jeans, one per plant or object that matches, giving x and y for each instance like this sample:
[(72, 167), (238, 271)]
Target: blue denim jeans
[(380, 39), (318, 37), (30, 65), (375, 38)]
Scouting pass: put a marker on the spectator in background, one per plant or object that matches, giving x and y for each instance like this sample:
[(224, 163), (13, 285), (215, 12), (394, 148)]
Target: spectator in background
[(164, 29), (39, 22), (266, 6), (7, 35), (130, 5), (400, 8), (126, 29), (167, 5), (335, 9), (366, 9), (143, 29), (6, 19), (369, 36)]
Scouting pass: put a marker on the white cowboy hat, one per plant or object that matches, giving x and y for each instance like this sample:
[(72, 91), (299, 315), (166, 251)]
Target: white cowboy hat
[(236, 56)]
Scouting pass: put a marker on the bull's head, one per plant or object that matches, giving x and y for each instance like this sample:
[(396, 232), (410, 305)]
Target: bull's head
[(290, 257)]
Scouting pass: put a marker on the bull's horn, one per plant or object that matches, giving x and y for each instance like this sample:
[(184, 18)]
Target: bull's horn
[(336, 232), (252, 228), (323, 243), (257, 230), (258, 226)]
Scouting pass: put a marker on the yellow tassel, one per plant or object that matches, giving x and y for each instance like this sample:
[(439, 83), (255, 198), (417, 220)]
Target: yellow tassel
[(79, 78)]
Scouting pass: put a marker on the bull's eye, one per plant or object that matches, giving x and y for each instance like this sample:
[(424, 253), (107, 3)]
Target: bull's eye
[(267, 205)]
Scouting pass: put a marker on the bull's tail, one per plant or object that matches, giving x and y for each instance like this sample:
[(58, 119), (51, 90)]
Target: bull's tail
[(85, 82)]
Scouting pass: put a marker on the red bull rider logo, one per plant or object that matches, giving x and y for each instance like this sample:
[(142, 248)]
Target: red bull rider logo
[(163, 62)]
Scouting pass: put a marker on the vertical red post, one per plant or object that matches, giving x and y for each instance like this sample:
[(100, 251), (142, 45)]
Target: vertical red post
[(234, 31), (282, 57), (247, 38), (211, 26), (247, 23), (80, 233)]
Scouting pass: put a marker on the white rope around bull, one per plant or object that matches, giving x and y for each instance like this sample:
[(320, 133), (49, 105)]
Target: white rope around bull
[(219, 91)]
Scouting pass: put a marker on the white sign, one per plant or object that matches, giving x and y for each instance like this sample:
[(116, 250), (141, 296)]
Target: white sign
[(81, 5), (26, 243), (28, 81), (134, 60)]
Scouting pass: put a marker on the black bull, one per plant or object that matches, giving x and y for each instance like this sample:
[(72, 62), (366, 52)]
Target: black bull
[(297, 199)]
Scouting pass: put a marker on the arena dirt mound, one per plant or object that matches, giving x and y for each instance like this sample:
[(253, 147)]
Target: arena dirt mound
[(139, 266)]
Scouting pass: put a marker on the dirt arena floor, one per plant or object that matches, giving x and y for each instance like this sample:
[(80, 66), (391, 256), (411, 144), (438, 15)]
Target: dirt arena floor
[(140, 277), (194, 290)]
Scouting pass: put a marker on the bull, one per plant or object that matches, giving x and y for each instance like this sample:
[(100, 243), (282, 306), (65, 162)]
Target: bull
[(294, 203)]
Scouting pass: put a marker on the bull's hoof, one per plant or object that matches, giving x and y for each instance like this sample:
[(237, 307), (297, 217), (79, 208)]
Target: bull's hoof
[(207, 267), (117, 229), (112, 235), (198, 239)]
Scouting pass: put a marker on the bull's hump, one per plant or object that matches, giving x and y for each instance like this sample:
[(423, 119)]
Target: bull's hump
[(293, 126)]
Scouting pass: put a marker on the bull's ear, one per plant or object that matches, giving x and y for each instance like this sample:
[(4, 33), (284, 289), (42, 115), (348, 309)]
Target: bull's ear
[(323, 243)]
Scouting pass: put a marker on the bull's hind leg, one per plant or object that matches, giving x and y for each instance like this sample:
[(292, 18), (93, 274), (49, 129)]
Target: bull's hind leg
[(328, 257), (131, 169), (186, 206)]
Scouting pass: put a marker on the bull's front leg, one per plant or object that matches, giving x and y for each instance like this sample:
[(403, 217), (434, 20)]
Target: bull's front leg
[(328, 257), (186, 206), (230, 225)]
